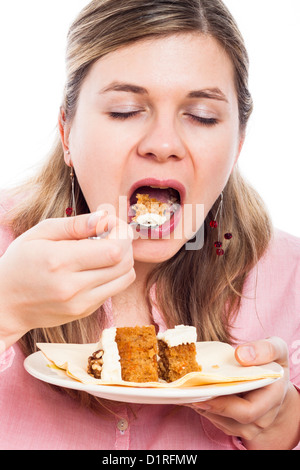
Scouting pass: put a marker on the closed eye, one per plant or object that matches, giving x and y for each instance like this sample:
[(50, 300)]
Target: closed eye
[(123, 116), (130, 114), (203, 121)]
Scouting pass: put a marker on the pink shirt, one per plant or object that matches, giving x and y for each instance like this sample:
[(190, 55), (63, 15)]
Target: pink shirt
[(35, 416)]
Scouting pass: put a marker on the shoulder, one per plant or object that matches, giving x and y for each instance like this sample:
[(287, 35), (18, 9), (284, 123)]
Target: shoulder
[(285, 241), (282, 256), (271, 291), (278, 271), (275, 282)]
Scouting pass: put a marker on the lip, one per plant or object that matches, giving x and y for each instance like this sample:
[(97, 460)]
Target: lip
[(168, 183)]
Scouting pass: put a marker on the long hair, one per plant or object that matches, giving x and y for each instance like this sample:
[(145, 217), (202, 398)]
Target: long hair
[(193, 287)]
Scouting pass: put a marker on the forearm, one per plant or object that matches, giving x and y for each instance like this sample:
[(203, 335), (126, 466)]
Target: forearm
[(284, 434)]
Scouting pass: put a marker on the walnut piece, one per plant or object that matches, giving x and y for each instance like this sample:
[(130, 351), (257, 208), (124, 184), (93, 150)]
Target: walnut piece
[(95, 363)]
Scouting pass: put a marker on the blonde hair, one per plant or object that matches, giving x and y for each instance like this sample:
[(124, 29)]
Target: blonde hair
[(194, 287)]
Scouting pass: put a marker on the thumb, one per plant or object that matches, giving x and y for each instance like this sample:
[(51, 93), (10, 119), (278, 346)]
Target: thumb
[(260, 352), (67, 228)]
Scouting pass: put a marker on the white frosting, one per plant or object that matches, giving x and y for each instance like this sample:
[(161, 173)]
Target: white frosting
[(111, 369), (181, 334), (151, 219)]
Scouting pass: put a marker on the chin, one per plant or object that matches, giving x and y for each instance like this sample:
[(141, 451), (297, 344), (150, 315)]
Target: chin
[(155, 251)]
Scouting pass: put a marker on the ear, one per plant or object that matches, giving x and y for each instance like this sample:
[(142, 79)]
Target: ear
[(64, 135)]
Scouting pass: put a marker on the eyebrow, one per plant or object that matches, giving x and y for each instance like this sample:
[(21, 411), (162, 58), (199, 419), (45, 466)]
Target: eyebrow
[(209, 93), (127, 87)]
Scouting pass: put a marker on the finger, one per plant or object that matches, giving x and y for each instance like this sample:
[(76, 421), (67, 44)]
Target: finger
[(249, 408), (83, 293), (232, 428), (90, 279), (109, 251), (86, 255), (113, 228), (68, 228), (260, 352), (110, 289)]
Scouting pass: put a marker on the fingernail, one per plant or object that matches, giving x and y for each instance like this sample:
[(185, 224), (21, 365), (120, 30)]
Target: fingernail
[(95, 217), (246, 353)]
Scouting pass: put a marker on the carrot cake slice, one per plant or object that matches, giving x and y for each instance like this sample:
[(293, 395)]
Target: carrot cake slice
[(128, 353), (177, 352)]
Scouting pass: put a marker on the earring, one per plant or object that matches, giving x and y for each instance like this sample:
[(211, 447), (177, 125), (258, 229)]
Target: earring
[(72, 208), (214, 224)]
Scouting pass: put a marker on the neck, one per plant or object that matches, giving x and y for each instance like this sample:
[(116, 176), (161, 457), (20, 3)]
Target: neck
[(130, 307)]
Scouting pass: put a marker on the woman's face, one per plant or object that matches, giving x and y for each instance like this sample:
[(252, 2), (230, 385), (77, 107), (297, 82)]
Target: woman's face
[(158, 114)]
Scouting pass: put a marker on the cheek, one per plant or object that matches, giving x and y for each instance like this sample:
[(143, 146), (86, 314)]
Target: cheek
[(214, 160), (95, 160)]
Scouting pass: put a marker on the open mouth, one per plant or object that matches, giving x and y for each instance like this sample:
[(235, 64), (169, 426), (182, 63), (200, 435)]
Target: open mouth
[(153, 209)]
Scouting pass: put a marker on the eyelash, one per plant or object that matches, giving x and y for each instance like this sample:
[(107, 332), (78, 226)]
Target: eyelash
[(204, 121), (123, 116)]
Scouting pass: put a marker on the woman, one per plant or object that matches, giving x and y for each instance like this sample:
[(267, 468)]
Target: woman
[(156, 100)]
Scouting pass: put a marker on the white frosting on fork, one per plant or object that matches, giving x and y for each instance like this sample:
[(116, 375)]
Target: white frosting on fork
[(151, 219)]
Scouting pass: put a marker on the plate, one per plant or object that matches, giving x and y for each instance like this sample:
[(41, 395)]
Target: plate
[(37, 366)]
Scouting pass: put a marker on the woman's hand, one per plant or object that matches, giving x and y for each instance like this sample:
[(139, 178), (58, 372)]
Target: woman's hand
[(54, 274), (267, 418)]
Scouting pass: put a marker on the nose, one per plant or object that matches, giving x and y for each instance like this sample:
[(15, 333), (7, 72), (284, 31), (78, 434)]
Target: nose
[(162, 140)]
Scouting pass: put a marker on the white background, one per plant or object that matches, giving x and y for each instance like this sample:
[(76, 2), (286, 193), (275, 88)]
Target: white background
[(32, 49)]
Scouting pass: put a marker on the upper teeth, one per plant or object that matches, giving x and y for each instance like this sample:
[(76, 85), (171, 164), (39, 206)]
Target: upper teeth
[(159, 187)]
